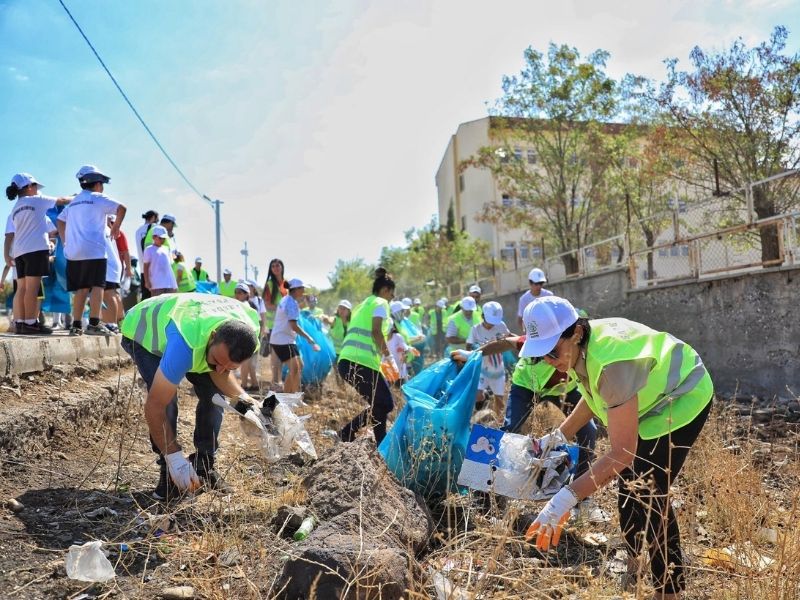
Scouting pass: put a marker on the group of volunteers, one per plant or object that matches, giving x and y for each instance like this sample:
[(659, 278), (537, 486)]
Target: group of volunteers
[(649, 390)]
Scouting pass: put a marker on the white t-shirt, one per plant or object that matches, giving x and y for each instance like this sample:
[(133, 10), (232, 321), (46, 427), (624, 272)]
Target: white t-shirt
[(113, 262), (398, 347), (492, 366), (31, 224), (160, 275), (85, 219), (138, 236), (282, 332), (527, 298)]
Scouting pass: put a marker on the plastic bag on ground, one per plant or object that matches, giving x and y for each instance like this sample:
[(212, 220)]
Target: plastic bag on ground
[(273, 426), (88, 563), (427, 444)]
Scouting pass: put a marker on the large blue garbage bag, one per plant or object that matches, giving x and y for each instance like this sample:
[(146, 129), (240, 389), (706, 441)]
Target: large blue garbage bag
[(410, 331), (207, 287), (316, 365), (427, 444)]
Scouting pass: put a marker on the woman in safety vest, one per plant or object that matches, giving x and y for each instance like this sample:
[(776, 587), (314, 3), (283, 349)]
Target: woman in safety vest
[(183, 275), (363, 350), (653, 393), (338, 324)]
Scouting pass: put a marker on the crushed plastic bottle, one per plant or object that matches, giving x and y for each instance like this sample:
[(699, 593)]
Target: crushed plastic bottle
[(88, 563), (305, 529)]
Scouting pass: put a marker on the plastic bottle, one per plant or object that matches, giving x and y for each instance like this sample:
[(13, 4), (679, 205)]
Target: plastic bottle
[(305, 529)]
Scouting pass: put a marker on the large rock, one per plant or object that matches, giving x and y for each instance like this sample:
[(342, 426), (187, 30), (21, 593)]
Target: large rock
[(370, 529)]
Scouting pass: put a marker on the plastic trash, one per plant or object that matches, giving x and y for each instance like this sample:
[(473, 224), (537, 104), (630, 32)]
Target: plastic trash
[(273, 426), (88, 563), (305, 529)]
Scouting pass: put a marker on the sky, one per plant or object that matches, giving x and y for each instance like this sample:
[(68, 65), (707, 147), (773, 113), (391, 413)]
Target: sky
[(320, 125)]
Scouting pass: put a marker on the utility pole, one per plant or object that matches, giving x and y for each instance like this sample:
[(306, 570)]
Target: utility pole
[(255, 273), (245, 253), (215, 204)]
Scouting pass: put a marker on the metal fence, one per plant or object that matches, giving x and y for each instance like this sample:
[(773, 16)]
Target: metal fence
[(692, 239)]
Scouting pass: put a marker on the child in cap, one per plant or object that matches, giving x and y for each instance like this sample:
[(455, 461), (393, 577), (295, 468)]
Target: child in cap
[(493, 373), (158, 274)]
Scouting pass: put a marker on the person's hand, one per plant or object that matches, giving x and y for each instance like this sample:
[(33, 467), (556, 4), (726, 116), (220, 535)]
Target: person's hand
[(389, 368), (114, 231), (548, 525), (546, 443), (182, 472), (461, 356), (9, 261), (315, 347)]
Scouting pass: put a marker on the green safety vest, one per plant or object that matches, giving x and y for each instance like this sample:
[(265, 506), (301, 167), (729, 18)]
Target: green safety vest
[(534, 376), (463, 327), (416, 318), (203, 276), (433, 321), (195, 315), (316, 312), (186, 284), (227, 288), (678, 387), (148, 239), (337, 332), (358, 345)]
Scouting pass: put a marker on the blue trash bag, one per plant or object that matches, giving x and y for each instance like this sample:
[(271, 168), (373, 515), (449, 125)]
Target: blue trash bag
[(207, 287), (427, 444), (316, 365)]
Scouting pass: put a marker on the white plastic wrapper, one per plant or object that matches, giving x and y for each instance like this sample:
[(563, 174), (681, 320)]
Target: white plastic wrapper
[(88, 563), (273, 426)]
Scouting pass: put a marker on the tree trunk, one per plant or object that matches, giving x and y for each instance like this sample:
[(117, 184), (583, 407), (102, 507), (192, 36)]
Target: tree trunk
[(765, 207), (570, 263), (649, 239)]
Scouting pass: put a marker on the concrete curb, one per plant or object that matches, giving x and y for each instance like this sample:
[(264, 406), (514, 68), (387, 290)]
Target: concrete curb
[(31, 354)]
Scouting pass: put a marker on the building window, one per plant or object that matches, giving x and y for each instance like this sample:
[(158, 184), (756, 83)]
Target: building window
[(461, 182), (663, 252), (523, 251), (684, 250), (536, 251), (674, 251), (518, 153), (507, 201), (531, 157)]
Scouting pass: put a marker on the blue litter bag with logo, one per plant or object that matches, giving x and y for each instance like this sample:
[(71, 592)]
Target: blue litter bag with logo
[(427, 444), (316, 365)]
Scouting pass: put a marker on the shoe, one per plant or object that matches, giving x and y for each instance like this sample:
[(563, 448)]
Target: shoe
[(204, 467), (35, 329), (75, 330), (166, 490), (112, 327), (98, 330), (18, 327)]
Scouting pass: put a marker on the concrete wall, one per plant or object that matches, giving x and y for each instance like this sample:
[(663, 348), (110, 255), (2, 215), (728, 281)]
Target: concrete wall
[(745, 327)]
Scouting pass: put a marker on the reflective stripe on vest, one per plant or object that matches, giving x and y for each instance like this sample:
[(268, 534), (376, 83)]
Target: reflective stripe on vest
[(534, 376), (358, 345), (678, 387), (195, 315)]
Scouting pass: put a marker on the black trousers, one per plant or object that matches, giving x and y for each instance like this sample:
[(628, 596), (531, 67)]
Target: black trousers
[(372, 387), (645, 509)]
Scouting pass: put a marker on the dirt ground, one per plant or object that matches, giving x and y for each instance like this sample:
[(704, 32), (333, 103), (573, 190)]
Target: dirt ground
[(75, 441)]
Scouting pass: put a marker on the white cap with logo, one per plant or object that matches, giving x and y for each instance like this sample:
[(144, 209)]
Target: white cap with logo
[(441, 303), (407, 302), (293, 284), (493, 313), (346, 304), (198, 260), (24, 180), (537, 276), (475, 289), (417, 302), (160, 231), (242, 287), (226, 271), (468, 303), (396, 306), (545, 319)]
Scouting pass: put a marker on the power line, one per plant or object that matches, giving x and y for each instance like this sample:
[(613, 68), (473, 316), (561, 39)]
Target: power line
[(130, 104)]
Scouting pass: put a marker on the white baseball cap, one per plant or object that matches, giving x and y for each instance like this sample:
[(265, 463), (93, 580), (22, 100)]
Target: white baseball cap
[(294, 284), (25, 179), (475, 289), (417, 302), (537, 276), (443, 299), (169, 218), (160, 231), (407, 302), (493, 313), (468, 303), (396, 306), (545, 319), (198, 259), (226, 271), (441, 303), (242, 287), (346, 304), (252, 282), (91, 174)]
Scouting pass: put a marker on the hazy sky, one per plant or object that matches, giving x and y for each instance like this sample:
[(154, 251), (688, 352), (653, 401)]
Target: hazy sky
[(319, 124)]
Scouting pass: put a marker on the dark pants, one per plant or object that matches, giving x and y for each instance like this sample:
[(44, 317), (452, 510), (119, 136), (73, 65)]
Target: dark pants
[(520, 404), (372, 387), (646, 510), (208, 417)]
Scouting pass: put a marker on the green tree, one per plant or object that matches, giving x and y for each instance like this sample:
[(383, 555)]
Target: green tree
[(738, 109), (555, 109), (351, 279)]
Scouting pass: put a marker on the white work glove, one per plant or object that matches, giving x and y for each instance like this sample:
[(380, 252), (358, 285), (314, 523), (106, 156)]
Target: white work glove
[(548, 525), (546, 443), (182, 472)]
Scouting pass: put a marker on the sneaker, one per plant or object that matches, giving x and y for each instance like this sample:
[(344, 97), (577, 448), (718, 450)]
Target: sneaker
[(112, 327), (166, 490), (75, 330), (204, 467), (35, 329), (98, 330), (18, 327)]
